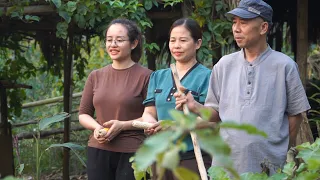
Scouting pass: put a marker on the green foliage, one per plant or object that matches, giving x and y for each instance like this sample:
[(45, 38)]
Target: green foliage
[(73, 147), (46, 122), (184, 174), (11, 178), (309, 170), (164, 147), (246, 127), (97, 13), (216, 28), (43, 124)]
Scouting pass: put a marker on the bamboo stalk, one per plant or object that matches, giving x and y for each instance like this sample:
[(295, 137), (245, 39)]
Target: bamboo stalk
[(44, 134), (48, 101), (196, 147)]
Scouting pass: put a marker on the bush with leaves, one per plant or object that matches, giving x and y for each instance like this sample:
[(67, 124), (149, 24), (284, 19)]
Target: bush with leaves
[(164, 147), (42, 125)]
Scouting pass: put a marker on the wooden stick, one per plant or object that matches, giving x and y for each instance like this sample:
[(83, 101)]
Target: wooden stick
[(196, 147)]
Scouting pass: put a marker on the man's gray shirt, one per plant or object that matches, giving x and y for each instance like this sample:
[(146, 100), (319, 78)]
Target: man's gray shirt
[(262, 93)]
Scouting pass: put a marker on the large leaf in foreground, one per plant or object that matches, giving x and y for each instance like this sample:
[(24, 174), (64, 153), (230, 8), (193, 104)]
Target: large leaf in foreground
[(212, 143), (244, 127), (73, 147), (46, 122), (151, 147)]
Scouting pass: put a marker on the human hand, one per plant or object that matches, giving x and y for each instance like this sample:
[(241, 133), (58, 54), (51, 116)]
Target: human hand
[(100, 137), (187, 99), (156, 127), (115, 127)]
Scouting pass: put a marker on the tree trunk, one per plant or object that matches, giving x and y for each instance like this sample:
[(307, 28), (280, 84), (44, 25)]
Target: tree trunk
[(305, 134)]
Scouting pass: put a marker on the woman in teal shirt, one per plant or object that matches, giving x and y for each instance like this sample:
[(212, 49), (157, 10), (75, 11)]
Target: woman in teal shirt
[(185, 40)]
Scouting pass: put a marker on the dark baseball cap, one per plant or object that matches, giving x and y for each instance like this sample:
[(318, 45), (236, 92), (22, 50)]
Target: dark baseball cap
[(249, 9)]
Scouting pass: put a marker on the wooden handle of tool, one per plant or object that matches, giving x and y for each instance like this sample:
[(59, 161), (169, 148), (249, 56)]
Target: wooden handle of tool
[(196, 147)]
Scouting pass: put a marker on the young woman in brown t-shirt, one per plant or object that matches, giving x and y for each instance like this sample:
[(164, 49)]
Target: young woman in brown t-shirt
[(115, 93)]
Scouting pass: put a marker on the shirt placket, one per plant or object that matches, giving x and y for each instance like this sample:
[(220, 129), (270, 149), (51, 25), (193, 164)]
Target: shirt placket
[(249, 86)]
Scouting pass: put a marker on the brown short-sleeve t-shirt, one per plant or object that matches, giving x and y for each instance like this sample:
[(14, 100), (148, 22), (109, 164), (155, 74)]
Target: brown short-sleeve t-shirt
[(115, 94)]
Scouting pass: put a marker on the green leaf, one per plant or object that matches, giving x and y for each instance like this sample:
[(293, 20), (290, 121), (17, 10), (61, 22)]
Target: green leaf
[(81, 22), (65, 16), (82, 9), (73, 147), (171, 158), (32, 18), (16, 15), (244, 127), (138, 175), (253, 176), (62, 30), (205, 114), (155, 3), (185, 121), (71, 6), (219, 7), (57, 3), (212, 143), (92, 22), (206, 36), (216, 172), (148, 4), (11, 178), (302, 167), (278, 176), (308, 176), (289, 168), (102, 1), (20, 169), (185, 174), (151, 147), (46, 122), (167, 123)]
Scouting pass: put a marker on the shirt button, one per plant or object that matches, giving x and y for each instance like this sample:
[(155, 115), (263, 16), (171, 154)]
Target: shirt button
[(174, 88), (168, 99), (249, 73), (250, 64), (249, 82), (248, 92), (171, 94)]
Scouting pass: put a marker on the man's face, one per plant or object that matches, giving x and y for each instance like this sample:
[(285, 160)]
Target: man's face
[(248, 32)]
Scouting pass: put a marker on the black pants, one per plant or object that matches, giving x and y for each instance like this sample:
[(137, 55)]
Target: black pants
[(107, 165)]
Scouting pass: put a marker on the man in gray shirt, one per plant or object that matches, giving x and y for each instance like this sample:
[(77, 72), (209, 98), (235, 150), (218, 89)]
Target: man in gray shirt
[(258, 86)]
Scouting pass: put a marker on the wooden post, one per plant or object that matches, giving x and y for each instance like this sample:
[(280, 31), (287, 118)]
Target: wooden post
[(67, 99), (305, 134), (149, 37), (302, 39), (6, 150)]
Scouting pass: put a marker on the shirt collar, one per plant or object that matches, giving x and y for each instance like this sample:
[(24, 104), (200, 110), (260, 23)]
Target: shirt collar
[(259, 59)]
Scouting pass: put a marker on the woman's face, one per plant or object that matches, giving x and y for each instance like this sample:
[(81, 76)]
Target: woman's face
[(118, 44), (182, 47)]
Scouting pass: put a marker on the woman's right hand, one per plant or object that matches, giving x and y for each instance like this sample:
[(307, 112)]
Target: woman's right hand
[(101, 139), (156, 127)]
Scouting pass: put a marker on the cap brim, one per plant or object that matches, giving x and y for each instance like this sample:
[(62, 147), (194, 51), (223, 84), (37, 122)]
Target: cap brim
[(242, 13)]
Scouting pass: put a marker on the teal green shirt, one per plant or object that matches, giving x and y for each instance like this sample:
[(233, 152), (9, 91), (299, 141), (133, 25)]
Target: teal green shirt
[(162, 87)]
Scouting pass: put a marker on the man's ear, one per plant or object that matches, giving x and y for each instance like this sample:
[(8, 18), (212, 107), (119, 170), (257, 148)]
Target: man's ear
[(134, 44), (264, 28)]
